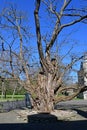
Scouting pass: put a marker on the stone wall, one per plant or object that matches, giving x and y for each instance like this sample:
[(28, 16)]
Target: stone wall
[(10, 105)]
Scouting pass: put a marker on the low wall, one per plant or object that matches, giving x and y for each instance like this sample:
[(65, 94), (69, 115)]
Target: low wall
[(10, 105)]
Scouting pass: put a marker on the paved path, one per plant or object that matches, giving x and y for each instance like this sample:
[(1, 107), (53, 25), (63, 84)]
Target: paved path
[(10, 117), (73, 104)]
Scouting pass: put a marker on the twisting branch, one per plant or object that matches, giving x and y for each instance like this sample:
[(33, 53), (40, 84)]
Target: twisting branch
[(40, 49), (57, 27), (39, 43), (74, 22)]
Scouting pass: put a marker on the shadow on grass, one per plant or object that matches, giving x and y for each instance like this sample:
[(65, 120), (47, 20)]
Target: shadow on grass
[(46, 121)]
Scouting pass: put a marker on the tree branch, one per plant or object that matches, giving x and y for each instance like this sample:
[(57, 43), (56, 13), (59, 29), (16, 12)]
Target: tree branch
[(39, 43), (74, 22), (57, 28), (37, 23)]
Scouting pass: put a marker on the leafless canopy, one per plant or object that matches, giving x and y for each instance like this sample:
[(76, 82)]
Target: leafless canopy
[(64, 15), (16, 53)]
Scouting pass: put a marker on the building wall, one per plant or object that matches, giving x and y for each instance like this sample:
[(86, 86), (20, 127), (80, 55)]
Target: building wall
[(82, 76), (85, 70)]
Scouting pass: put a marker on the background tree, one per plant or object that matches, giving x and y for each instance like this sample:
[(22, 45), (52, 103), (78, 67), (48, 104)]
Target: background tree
[(16, 57)]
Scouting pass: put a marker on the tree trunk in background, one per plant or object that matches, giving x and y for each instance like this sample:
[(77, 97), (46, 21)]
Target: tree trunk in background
[(2, 95)]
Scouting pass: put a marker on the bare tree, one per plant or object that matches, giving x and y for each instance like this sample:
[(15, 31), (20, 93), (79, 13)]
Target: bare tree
[(16, 53), (50, 81), (17, 62)]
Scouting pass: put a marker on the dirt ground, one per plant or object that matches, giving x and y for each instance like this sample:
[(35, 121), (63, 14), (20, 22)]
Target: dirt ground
[(21, 116), (67, 111), (67, 119)]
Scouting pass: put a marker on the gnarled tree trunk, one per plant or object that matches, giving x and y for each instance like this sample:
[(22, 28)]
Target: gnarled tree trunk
[(45, 92)]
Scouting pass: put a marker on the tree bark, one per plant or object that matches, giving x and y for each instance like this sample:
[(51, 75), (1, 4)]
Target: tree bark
[(45, 93)]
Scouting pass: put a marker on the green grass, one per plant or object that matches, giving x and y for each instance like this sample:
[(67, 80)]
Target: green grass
[(76, 98), (9, 98), (15, 96)]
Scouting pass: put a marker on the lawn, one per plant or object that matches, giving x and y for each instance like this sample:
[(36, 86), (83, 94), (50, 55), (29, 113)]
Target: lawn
[(9, 98)]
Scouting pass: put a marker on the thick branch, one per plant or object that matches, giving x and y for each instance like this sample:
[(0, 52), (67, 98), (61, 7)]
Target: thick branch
[(65, 98), (39, 43), (37, 23)]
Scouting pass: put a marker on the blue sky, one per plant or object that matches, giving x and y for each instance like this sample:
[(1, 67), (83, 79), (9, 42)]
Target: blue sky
[(80, 30)]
